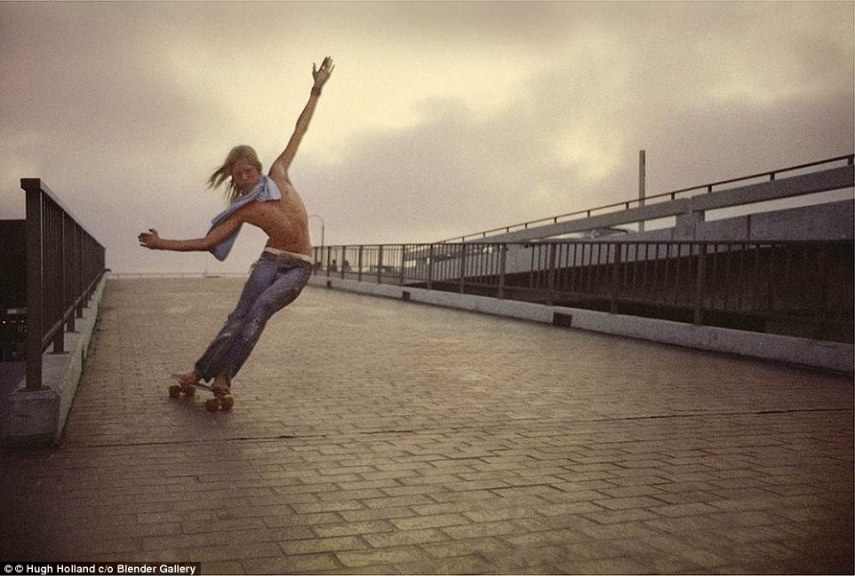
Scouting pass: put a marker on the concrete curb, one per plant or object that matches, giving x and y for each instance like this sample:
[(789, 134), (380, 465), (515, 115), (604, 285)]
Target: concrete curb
[(799, 351), (37, 417)]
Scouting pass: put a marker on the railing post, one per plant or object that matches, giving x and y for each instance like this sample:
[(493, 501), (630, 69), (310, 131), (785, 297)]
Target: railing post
[(430, 268), (550, 277), (359, 264), (403, 259), (380, 265), (699, 285), (327, 263), (613, 306), (81, 276), (462, 268), (70, 268), (35, 309), (503, 257), (59, 339), (822, 282)]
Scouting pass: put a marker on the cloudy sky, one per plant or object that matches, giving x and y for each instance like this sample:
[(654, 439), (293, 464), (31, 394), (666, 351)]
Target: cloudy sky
[(441, 118)]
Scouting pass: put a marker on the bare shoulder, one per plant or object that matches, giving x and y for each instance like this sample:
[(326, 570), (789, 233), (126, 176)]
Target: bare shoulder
[(280, 177)]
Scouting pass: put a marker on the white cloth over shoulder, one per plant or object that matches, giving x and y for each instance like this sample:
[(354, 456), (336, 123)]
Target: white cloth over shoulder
[(265, 191)]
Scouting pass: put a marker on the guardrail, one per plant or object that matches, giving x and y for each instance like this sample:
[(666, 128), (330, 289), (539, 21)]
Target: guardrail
[(801, 288), (64, 264), (770, 176)]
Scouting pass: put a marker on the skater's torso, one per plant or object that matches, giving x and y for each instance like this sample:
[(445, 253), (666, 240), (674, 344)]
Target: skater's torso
[(285, 221)]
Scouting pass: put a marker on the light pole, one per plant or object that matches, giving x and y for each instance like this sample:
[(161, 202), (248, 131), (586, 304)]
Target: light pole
[(322, 234), (642, 182)]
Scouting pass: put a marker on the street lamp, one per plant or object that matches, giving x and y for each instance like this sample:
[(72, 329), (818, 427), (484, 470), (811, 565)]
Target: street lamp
[(322, 233)]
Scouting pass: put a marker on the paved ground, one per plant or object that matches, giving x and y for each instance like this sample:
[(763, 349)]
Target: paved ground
[(377, 436)]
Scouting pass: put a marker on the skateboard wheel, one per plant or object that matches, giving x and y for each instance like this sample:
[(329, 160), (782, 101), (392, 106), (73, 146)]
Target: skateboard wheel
[(227, 403), (212, 405), (174, 391), (188, 390)]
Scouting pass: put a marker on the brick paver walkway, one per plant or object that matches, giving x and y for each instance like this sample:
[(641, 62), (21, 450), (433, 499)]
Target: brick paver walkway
[(377, 436)]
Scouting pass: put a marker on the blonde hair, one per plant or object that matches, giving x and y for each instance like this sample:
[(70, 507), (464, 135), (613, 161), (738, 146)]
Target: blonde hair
[(224, 172)]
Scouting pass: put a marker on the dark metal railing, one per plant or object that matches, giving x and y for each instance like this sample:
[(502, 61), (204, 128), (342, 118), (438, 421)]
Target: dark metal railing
[(64, 264), (793, 287)]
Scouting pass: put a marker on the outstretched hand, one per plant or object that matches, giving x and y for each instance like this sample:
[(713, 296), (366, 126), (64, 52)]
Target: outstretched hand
[(321, 76), (150, 239)]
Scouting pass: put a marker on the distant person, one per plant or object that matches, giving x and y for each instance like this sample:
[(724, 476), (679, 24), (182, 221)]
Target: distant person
[(280, 274)]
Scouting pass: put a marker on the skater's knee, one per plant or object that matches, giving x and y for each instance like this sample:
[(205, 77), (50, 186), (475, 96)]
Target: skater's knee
[(254, 327)]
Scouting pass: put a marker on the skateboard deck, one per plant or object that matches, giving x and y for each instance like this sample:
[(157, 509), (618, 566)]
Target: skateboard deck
[(220, 401)]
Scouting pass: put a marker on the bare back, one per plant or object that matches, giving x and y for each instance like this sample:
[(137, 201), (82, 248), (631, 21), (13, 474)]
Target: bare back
[(284, 221)]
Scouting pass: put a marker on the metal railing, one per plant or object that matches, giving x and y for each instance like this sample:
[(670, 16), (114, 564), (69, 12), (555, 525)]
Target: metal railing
[(799, 288), (770, 176), (64, 264)]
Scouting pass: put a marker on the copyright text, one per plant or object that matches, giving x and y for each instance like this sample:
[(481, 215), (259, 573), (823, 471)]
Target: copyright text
[(146, 568)]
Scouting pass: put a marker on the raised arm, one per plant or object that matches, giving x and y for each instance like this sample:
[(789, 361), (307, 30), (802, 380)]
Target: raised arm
[(279, 168)]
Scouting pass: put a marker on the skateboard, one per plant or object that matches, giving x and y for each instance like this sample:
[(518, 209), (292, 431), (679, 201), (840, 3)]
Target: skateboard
[(220, 401)]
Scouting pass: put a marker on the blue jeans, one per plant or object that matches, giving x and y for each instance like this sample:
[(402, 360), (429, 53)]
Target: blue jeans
[(274, 282)]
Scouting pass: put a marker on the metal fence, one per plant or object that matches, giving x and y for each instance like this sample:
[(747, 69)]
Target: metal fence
[(64, 264), (787, 287)]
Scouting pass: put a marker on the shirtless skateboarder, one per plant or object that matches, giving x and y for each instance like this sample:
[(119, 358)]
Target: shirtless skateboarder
[(280, 274)]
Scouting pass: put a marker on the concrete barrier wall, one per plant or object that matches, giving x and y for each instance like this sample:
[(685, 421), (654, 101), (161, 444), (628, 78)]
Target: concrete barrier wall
[(832, 221), (37, 417)]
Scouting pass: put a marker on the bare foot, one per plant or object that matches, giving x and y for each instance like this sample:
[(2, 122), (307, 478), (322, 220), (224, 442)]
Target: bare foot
[(221, 385), (188, 378)]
